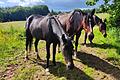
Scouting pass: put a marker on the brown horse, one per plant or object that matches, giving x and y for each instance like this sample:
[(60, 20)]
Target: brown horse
[(102, 27), (49, 29), (75, 21)]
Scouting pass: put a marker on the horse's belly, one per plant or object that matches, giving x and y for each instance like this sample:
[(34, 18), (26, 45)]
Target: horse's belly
[(37, 33)]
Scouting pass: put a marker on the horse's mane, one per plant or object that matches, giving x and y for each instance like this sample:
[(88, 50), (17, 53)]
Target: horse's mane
[(75, 18), (97, 20), (59, 27)]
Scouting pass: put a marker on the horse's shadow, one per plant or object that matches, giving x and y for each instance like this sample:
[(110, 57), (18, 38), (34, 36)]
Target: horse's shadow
[(104, 46), (99, 64), (60, 71)]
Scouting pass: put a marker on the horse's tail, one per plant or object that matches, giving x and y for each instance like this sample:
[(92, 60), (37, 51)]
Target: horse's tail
[(29, 37), (28, 21), (49, 24)]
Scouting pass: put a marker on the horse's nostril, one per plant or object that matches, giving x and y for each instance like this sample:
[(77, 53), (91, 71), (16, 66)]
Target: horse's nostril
[(70, 66)]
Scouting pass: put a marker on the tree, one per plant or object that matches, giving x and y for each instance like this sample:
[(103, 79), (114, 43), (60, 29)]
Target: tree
[(18, 13)]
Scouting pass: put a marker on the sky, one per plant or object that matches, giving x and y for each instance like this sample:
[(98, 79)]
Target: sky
[(57, 5)]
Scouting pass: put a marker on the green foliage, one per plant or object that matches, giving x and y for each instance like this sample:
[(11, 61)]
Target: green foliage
[(19, 13), (93, 2), (55, 13), (113, 9)]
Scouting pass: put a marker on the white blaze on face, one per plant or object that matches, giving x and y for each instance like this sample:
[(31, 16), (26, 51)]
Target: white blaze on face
[(68, 63)]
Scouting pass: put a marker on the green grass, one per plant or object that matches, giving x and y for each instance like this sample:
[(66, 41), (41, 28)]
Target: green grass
[(12, 41), (12, 46), (103, 15)]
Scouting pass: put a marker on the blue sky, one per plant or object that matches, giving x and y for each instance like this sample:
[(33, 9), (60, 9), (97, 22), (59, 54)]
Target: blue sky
[(57, 5)]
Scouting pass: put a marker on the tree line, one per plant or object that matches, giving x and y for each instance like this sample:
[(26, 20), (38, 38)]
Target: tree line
[(19, 13)]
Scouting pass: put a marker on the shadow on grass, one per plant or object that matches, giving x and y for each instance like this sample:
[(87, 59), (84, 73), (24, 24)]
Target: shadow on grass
[(104, 46), (60, 71), (99, 64)]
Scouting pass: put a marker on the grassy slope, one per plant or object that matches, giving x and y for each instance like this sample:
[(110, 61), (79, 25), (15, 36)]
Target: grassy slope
[(94, 62)]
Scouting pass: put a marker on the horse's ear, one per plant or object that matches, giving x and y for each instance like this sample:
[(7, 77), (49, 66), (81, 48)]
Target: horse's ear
[(105, 20), (100, 20), (63, 38), (71, 15), (93, 12)]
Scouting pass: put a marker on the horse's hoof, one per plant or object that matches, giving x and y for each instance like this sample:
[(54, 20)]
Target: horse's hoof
[(38, 58), (91, 43), (75, 55), (83, 44), (47, 69), (26, 58), (59, 51), (54, 63)]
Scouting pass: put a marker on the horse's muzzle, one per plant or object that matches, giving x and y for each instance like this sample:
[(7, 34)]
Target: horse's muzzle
[(105, 35), (70, 66), (91, 36)]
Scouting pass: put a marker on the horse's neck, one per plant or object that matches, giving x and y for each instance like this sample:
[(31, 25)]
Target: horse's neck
[(97, 20), (58, 30), (75, 20)]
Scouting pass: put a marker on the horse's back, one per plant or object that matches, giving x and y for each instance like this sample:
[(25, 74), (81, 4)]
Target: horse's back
[(71, 21), (39, 27), (63, 18)]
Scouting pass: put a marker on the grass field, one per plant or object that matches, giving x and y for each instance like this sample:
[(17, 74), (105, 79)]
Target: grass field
[(100, 61)]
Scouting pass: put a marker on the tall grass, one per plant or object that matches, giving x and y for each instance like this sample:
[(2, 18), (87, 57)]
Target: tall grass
[(11, 40)]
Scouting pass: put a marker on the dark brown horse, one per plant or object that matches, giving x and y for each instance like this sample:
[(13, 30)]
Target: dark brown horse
[(102, 27), (48, 28), (75, 21)]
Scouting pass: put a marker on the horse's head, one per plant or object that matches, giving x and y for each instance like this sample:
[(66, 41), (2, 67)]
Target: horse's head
[(67, 46), (67, 50), (88, 22), (102, 27)]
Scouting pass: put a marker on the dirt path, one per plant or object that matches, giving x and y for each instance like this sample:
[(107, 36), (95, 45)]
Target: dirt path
[(103, 70), (89, 65)]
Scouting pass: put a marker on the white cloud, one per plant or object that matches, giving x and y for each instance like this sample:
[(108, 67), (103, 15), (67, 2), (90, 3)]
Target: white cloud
[(2, 2), (13, 1), (42, 1), (25, 2), (18, 1)]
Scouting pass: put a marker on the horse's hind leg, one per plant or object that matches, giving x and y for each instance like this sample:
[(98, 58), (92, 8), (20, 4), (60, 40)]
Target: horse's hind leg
[(54, 53), (48, 55), (30, 43), (36, 49), (58, 47), (26, 52), (85, 38)]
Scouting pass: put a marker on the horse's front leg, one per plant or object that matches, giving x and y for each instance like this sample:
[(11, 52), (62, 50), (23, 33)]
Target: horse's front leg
[(36, 48), (48, 55), (91, 37), (85, 38), (54, 53), (76, 43)]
